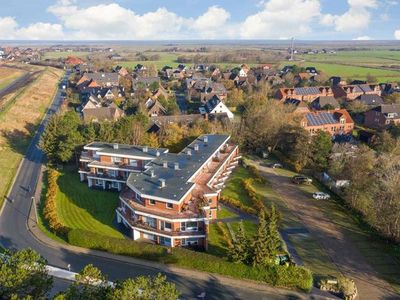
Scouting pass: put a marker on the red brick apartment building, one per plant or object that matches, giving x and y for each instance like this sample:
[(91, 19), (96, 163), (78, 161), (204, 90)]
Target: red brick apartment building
[(335, 122), (352, 92), (166, 198), (307, 94)]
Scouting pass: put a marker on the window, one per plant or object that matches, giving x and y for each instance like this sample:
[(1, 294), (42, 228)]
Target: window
[(112, 173), (190, 226), (190, 241), (170, 205), (133, 163), (167, 226), (115, 185), (100, 171), (116, 159), (165, 241), (210, 213), (152, 202), (137, 196)]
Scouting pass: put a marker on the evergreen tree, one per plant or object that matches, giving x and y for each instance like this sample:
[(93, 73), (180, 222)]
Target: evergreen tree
[(273, 240), (260, 250), (239, 252)]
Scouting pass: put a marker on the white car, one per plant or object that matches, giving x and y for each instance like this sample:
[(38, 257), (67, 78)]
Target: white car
[(321, 196)]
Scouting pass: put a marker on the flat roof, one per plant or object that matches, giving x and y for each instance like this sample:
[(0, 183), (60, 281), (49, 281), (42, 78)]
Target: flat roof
[(126, 150), (177, 182)]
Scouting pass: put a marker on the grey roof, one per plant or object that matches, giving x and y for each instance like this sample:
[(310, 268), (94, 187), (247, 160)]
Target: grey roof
[(212, 103), (103, 78), (311, 90), (128, 150), (323, 101), (365, 88), (371, 99), (321, 118), (176, 181), (388, 108)]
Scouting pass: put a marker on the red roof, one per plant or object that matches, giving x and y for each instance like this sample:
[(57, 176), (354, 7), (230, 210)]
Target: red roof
[(73, 60)]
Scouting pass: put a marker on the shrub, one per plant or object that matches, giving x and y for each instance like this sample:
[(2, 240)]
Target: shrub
[(293, 277), (239, 205), (50, 209), (254, 172), (255, 198)]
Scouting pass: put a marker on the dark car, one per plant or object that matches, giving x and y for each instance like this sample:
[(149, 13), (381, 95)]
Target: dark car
[(300, 179)]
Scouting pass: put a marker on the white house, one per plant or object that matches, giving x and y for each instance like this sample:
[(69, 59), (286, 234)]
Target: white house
[(215, 106)]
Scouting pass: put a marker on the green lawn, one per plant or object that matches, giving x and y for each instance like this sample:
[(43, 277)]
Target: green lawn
[(84, 208), (234, 188), (224, 213), (216, 243)]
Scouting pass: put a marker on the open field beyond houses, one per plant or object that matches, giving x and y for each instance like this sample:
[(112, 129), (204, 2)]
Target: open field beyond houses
[(19, 119)]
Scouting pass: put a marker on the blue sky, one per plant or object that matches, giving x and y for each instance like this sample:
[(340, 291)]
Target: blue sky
[(199, 19)]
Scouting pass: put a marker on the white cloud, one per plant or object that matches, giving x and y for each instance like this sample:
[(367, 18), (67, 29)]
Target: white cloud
[(281, 19), (212, 22), (356, 18), (397, 34), (9, 29), (363, 38)]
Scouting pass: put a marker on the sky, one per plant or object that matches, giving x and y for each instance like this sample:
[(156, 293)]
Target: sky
[(199, 19)]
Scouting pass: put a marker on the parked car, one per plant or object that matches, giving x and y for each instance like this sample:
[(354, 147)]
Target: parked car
[(275, 165), (300, 179), (321, 196)]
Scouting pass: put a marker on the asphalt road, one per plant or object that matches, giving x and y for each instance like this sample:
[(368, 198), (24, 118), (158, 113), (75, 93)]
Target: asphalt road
[(14, 234)]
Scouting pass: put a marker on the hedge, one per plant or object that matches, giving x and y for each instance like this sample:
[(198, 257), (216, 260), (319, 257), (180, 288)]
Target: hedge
[(237, 204), (250, 190), (50, 209), (254, 172), (291, 277)]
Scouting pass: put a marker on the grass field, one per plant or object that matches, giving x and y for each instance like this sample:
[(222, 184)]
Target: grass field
[(233, 188), (19, 120), (8, 75), (80, 207)]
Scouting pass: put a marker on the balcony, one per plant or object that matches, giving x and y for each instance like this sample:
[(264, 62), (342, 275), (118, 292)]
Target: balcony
[(106, 176), (146, 226), (85, 156)]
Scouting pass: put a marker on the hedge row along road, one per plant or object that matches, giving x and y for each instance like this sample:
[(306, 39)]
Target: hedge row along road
[(14, 233)]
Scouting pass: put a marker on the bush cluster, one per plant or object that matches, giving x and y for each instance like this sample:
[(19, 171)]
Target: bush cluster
[(255, 198), (50, 209), (237, 204), (256, 174), (292, 277)]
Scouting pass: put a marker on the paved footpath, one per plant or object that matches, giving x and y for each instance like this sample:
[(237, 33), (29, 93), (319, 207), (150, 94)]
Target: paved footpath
[(337, 245)]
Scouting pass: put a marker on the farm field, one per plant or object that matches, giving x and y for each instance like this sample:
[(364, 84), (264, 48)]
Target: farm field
[(8, 75), (79, 207), (64, 54), (19, 118)]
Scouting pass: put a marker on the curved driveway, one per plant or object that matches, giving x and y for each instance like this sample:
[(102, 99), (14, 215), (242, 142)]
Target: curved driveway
[(14, 233)]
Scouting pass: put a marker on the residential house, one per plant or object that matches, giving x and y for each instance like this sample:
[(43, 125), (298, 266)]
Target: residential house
[(298, 106), (97, 111), (383, 116), (337, 122), (98, 80), (145, 82), (204, 89), (155, 108), (352, 92), (312, 70), (308, 94), (215, 106), (325, 102), (370, 100), (166, 198)]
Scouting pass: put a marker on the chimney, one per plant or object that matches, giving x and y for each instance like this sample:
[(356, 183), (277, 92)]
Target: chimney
[(145, 149), (205, 139), (196, 147), (152, 173), (189, 152), (165, 164), (162, 182), (115, 146), (176, 166)]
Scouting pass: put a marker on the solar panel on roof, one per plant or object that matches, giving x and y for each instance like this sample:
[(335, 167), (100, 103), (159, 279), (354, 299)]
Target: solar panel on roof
[(320, 119)]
